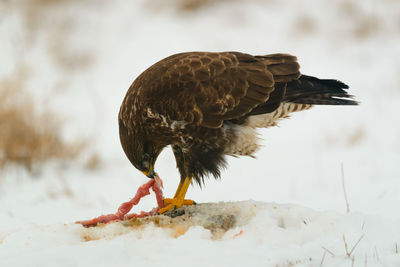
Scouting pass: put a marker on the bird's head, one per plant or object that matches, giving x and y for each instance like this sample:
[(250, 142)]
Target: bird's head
[(146, 165), (142, 150)]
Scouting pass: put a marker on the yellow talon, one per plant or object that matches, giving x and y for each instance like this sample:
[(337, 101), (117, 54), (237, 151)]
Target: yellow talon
[(174, 201), (179, 198), (174, 204)]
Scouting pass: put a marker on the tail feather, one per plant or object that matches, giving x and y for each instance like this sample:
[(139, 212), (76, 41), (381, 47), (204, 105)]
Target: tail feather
[(311, 90)]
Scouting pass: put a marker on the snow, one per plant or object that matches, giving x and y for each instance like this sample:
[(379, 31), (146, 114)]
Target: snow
[(289, 202), (249, 231)]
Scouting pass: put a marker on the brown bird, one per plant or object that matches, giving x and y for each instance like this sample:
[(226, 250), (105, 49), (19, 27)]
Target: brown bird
[(208, 105)]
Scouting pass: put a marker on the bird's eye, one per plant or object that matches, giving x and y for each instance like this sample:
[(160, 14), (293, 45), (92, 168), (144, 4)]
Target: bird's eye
[(146, 164), (146, 161)]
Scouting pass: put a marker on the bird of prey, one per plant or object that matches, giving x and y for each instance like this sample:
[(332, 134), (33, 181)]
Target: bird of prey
[(207, 105)]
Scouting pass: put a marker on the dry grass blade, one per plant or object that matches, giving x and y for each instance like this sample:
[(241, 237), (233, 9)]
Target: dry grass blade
[(27, 137), (186, 5), (376, 254), (356, 244), (330, 252), (344, 190), (323, 258), (346, 247)]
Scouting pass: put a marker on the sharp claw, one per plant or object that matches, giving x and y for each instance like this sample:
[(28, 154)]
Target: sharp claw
[(188, 202), (174, 203), (168, 201)]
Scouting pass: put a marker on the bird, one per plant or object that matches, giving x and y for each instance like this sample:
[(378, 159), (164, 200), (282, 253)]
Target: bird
[(208, 105)]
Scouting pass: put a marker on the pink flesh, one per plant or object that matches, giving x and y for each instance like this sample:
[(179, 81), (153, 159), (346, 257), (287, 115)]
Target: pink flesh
[(122, 214)]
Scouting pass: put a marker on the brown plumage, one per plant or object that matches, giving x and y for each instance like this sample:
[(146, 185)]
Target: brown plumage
[(207, 105)]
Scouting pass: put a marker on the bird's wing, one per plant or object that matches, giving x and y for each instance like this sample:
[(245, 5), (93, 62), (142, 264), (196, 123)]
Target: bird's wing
[(209, 88)]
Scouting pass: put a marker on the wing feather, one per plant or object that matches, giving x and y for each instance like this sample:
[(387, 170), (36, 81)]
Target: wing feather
[(207, 89)]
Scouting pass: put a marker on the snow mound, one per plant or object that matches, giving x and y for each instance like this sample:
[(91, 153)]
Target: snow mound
[(225, 233), (217, 218)]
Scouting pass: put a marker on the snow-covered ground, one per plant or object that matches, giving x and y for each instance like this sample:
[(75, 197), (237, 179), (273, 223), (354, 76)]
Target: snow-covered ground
[(83, 55), (254, 233)]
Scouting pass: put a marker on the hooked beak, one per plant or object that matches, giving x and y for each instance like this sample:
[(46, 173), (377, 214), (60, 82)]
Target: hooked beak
[(149, 173)]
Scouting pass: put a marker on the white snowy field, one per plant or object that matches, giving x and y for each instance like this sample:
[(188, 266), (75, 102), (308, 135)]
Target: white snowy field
[(81, 56)]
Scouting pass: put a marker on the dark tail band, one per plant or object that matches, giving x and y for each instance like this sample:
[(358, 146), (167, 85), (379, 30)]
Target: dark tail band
[(311, 90)]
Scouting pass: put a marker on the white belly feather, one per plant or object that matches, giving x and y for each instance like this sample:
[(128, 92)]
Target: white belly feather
[(270, 119), (244, 138)]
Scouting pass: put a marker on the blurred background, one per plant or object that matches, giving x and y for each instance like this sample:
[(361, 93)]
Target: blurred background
[(65, 67)]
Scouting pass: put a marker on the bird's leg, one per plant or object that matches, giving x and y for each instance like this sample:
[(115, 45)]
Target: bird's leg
[(179, 198), (178, 189)]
